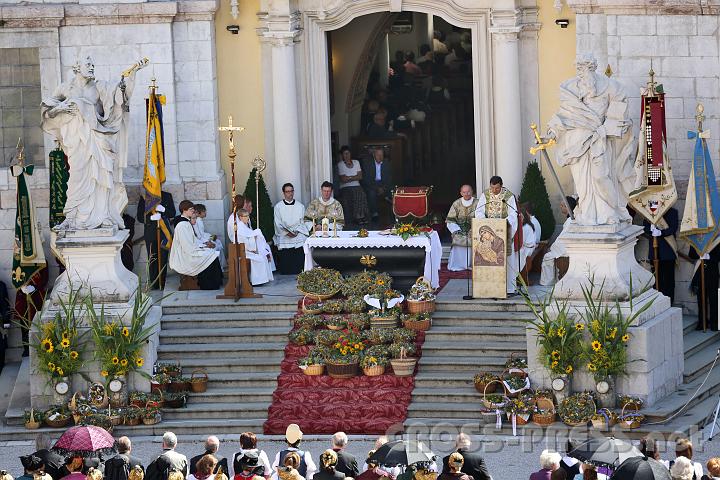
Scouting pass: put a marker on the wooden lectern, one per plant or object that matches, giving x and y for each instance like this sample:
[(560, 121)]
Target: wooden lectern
[(238, 285)]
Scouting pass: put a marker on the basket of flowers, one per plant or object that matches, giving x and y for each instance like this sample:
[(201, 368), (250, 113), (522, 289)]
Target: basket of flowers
[(115, 416), (138, 399), (171, 369), (132, 416), (486, 382), (179, 384), (404, 335), (355, 304), (384, 319), (302, 336), (97, 396), (629, 402), (336, 322), (175, 400), (199, 381), (514, 385), (159, 382), (358, 321), (151, 416), (493, 401), (314, 308), (544, 411), (313, 364), (365, 282), (403, 366), (319, 283), (421, 297), (327, 337), (417, 321), (516, 366), (373, 365), (378, 336), (33, 419), (521, 408), (604, 419), (577, 409), (344, 357), (629, 418), (333, 306), (308, 320)]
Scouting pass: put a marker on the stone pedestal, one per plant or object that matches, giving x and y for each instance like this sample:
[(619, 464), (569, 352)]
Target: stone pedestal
[(605, 255), (92, 261)]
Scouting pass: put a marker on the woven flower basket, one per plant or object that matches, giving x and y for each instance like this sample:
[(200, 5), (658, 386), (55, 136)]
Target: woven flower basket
[(514, 394), (116, 420), (314, 370), (630, 421), (374, 371), (132, 421), (59, 423), (490, 388), (313, 308), (32, 424), (342, 370), (152, 420), (546, 415), (318, 296), (334, 327), (420, 306), (520, 418), (383, 322), (198, 384), (418, 325), (403, 367)]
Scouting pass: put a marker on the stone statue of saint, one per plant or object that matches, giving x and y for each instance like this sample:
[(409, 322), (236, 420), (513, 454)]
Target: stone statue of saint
[(90, 118), (594, 135)]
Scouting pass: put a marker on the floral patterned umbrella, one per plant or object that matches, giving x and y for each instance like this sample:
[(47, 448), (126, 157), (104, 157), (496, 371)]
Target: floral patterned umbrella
[(85, 441)]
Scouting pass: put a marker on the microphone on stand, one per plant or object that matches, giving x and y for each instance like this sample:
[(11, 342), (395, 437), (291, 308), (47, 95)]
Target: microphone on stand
[(469, 295)]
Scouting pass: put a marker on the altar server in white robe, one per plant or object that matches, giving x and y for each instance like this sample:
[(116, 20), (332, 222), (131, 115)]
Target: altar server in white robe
[(290, 232), (529, 241), (499, 202), (548, 274), (205, 238), (189, 258), (256, 248), (459, 220)]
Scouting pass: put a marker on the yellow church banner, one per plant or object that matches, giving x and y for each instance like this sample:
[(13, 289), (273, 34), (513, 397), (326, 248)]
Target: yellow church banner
[(489, 262)]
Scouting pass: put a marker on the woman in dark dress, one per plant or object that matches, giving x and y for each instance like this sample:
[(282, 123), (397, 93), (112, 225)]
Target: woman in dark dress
[(328, 460)]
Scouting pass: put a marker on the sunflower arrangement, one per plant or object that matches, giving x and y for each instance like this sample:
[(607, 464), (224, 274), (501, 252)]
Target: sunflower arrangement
[(366, 282), (406, 230), (369, 361), (557, 335), (58, 342), (577, 409), (605, 354), (320, 281), (119, 343)]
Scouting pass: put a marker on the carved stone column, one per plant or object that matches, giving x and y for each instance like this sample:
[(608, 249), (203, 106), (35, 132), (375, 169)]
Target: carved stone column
[(507, 111)]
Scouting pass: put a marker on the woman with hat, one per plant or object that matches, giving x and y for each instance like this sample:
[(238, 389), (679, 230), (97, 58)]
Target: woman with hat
[(34, 468), (247, 467), (328, 462), (248, 443)]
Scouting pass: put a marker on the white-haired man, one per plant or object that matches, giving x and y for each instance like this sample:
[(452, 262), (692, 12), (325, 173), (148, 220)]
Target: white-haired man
[(168, 461), (212, 444), (473, 464), (347, 463), (459, 221), (549, 462)]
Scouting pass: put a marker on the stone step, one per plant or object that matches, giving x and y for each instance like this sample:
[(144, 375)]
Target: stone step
[(470, 365), (227, 319), (472, 349), (689, 323), (698, 364), (466, 410), (686, 393), (482, 317), (697, 341), (200, 350), (515, 304), (236, 364), (493, 333), (218, 411), (443, 379), (249, 305), (425, 395), (249, 335), (243, 380), (233, 395)]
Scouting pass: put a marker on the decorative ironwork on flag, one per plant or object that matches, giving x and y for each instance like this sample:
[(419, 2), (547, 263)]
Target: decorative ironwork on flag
[(655, 190)]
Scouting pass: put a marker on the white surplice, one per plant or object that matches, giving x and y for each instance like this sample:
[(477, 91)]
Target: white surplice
[(203, 236), (256, 250), (460, 210), (186, 256), (528, 246), (289, 219)]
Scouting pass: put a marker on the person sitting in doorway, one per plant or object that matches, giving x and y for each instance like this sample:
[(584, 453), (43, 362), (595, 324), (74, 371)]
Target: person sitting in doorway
[(352, 195), (190, 259), (257, 249), (377, 180)]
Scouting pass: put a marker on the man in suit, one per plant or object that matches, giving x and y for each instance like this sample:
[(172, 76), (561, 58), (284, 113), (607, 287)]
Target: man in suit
[(664, 231), (474, 465), (377, 180), (212, 444), (347, 463), (168, 461), (167, 212), (120, 466)]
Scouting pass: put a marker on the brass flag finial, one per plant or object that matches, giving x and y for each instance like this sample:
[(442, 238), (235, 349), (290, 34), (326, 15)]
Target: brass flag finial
[(700, 116), (608, 71)]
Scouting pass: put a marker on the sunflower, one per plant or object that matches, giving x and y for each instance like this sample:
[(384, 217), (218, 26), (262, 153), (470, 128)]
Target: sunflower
[(554, 364), (104, 373), (108, 329), (65, 334), (561, 332), (139, 362), (591, 366), (596, 345), (568, 369), (612, 333), (51, 367), (625, 337), (579, 327), (47, 345), (115, 360), (555, 355), (64, 343), (59, 371), (123, 362), (125, 332), (74, 355)]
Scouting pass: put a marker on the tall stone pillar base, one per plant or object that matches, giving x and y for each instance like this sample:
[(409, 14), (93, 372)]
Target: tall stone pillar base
[(605, 256), (93, 264)]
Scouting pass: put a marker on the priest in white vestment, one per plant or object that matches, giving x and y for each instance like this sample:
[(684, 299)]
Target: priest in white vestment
[(290, 232), (189, 258), (459, 221), (207, 239), (499, 202), (256, 248)]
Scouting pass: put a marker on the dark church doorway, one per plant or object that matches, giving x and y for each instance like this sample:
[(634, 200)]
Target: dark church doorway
[(403, 83)]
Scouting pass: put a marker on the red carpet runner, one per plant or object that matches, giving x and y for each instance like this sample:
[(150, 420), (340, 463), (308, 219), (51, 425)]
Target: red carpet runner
[(325, 405)]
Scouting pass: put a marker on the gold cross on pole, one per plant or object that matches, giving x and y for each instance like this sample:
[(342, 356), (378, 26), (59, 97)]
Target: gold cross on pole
[(230, 128)]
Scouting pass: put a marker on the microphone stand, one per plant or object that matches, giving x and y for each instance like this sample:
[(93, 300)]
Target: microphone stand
[(469, 295)]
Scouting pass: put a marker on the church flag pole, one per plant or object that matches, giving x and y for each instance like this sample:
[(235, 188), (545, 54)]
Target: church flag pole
[(542, 147), (259, 164)]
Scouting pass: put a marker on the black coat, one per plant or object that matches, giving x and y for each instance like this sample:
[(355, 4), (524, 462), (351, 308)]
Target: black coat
[(325, 475), (222, 462), (347, 464), (54, 463), (665, 252), (150, 225), (474, 465), (120, 466)]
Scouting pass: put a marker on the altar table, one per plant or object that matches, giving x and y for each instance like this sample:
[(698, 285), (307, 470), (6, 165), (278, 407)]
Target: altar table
[(348, 239)]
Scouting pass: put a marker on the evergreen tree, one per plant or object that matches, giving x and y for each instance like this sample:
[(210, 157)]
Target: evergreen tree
[(534, 191), (267, 222)]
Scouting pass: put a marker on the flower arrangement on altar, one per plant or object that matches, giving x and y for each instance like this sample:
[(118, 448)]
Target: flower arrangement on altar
[(59, 345), (118, 347), (322, 282), (407, 230)]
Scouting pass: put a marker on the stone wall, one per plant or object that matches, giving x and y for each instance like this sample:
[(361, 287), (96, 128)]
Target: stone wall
[(178, 38), (682, 49)]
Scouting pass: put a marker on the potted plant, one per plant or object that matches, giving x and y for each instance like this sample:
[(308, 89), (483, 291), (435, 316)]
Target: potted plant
[(319, 283), (421, 297), (403, 365), (381, 350), (302, 336), (373, 365), (345, 353), (179, 384), (334, 306), (336, 322), (151, 416), (486, 382), (33, 419), (138, 399), (308, 321), (358, 321), (577, 409), (159, 382), (175, 400), (171, 369), (133, 415), (417, 321), (521, 408), (313, 364), (355, 304)]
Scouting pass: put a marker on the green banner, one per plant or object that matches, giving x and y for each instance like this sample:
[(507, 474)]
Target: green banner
[(59, 176), (28, 255)]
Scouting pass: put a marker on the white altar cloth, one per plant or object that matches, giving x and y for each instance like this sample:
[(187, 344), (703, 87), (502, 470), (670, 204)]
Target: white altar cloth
[(348, 239)]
